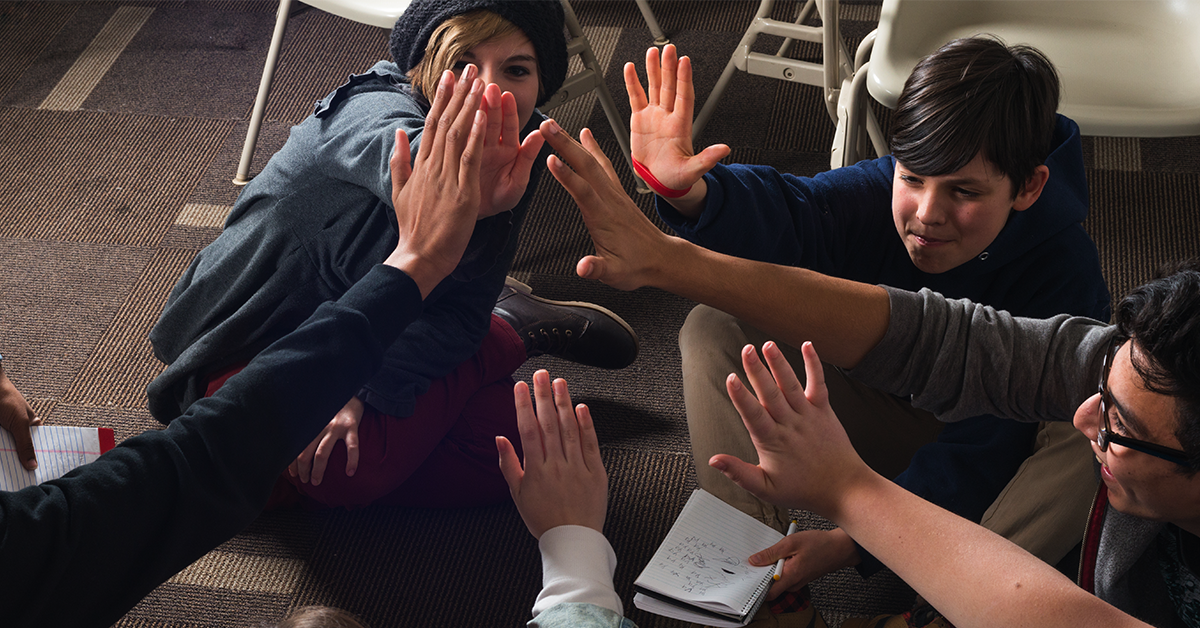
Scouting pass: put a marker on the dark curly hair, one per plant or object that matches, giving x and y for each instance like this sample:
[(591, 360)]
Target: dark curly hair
[(977, 95), (1163, 318)]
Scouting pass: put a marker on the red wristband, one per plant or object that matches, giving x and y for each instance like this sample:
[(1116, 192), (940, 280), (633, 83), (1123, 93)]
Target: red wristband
[(655, 184)]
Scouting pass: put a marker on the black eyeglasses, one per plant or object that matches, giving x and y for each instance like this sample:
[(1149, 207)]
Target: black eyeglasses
[(1106, 437)]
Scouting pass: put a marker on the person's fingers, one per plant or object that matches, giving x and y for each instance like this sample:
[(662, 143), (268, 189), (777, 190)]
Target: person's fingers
[(451, 128), (785, 376), (589, 444), (786, 547), (511, 130), (633, 87), (469, 163), (304, 461), (527, 425), (765, 388), (462, 128), (816, 393), (590, 267), (510, 465), (351, 440), (400, 163), (653, 76), (23, 441), (321, 458), (547, 415), (568, 425), (526, 156), (589, 143), (744, 474), (441, 99), (685, 92), (670, 63), (492, 105)]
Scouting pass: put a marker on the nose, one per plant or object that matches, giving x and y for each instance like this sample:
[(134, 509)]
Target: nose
[(488, 74), (929, 209), (1087, 417)]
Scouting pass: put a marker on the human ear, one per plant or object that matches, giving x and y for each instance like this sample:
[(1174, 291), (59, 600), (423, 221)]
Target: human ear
[(1029, 193)]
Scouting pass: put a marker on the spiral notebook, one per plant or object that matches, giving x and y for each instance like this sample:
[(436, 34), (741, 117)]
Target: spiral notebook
[(701, 572)]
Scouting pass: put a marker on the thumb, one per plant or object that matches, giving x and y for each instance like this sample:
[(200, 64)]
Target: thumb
[(744, 474), (782, 549), (590, 267), (401, 161), (510, 466)]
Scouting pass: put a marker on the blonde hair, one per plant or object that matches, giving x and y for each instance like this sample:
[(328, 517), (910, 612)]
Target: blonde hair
[(451, 40)]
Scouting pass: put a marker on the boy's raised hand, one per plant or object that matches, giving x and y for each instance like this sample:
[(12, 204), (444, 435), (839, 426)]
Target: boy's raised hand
[(437, 198), (805, 457), (661, 120), (563, 481)]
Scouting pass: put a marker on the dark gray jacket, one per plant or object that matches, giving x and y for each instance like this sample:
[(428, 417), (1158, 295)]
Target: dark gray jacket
[(313, 222), (959, 359)]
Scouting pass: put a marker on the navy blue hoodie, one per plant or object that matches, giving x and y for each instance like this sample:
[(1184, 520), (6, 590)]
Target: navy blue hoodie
[(840, 223)]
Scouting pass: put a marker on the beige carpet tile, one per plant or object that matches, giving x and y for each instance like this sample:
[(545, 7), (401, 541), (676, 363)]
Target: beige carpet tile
[(203, 215), (89, 68), (25, 30), (94, 177), (58, 299), (123, 363)]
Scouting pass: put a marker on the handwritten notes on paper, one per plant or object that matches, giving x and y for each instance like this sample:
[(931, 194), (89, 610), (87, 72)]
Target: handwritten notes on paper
[(704, 557), (58, 449)]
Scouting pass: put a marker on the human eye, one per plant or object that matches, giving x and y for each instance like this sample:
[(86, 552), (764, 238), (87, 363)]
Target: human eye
[(910, 179), (1115, 424), (965, 193), (518, 71)]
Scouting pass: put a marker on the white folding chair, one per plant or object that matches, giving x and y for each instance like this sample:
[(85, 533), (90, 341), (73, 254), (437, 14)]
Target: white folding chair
[(829, 74), (1128, 69), (383, 13)]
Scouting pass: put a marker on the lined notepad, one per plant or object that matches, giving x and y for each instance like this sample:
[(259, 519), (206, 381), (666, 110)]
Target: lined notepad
[(701, 571), (58, 449)]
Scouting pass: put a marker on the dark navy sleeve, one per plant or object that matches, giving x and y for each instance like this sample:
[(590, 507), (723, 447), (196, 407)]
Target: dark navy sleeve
[(756, 212), (109, 532)]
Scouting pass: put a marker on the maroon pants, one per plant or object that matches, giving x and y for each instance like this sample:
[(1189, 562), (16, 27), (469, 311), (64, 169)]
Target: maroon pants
[(443, 455)]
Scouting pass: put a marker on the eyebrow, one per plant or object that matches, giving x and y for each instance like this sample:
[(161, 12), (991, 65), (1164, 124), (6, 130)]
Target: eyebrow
[(513, 59)]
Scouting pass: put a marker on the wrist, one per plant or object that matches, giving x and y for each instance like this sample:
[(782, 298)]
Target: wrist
[(656, 185)]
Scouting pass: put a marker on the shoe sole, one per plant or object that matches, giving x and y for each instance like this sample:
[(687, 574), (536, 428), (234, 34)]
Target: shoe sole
[(528, 292)]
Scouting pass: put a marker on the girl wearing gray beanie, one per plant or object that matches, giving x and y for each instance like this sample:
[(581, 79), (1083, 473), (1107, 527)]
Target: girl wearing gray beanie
[(318, 217)]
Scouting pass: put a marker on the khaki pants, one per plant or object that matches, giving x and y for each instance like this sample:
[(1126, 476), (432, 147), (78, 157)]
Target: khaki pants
[(1043, 508)]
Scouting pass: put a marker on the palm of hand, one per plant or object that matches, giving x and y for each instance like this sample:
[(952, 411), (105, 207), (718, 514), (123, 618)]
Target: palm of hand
[(500, 188), (661, 140)]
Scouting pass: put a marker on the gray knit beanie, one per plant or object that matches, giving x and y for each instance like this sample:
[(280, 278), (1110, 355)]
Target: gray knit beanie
[(540, 20)]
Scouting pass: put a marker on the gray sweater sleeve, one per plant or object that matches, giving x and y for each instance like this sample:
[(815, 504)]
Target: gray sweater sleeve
[(959, 359)]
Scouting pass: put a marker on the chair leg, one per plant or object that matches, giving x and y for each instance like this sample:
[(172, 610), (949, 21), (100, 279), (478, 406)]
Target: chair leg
[(264, 90), (660, 38), (714, 96)]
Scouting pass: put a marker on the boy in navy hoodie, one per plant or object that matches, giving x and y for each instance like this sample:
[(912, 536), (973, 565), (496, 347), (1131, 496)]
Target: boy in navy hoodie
[(982, 198)]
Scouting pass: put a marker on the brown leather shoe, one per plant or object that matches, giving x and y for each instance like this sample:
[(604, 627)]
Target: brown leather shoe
[(572, 330)]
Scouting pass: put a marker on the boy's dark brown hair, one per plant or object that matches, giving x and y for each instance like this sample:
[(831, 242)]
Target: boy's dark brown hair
[(977, 95)]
